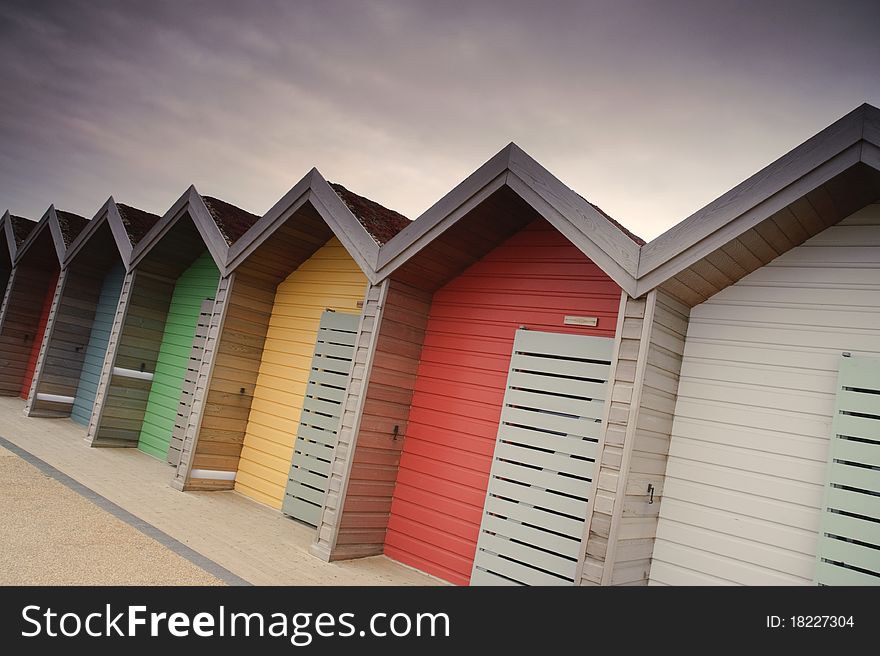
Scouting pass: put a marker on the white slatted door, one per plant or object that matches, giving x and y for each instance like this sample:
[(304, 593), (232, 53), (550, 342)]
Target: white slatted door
[(544, 460), (849, 534), (321, 416), (184, 407)]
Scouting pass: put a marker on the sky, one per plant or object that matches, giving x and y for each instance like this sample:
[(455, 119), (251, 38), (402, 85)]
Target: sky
[(650, 109)]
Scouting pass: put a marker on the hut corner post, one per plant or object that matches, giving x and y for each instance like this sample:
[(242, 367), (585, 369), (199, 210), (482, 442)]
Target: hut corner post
[(29, 409), (189, 451), (621, 529), (324, 546), (358, 501)]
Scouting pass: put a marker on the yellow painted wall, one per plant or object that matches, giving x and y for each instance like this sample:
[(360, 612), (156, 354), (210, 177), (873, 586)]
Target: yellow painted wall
[(329, 279)]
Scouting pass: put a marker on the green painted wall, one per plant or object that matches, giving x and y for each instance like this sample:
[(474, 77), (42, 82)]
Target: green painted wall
[(195, 284), (97, 347)]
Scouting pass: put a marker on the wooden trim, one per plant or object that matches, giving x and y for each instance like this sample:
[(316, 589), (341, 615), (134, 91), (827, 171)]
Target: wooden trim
[(316, 548), (47, 338), (600, 448), (190, 203), (33, 235), (109, 214), (629, 439), (679, 261), (314, 189), (182, 472), (784, 172), (109, 363), (583, 225)]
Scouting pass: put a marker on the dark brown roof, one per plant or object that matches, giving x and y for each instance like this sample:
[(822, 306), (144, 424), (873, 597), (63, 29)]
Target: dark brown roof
[(232, 221), (71, 225), (21, 228), (137, 222), (617, 224), (380, 222)]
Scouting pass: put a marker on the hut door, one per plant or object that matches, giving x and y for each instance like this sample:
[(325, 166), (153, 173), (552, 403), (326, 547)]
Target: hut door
[(184, 408), (544, 461), (848, 552), (321, 416)]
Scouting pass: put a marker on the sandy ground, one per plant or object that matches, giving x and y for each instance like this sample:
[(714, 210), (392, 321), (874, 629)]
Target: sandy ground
[(50, 535)]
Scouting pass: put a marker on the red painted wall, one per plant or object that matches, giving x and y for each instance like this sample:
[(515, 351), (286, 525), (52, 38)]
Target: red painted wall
[(534, 278), (38, 338)]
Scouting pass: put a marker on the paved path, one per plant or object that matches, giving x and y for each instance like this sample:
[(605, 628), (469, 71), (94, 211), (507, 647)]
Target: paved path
[(249, 540)]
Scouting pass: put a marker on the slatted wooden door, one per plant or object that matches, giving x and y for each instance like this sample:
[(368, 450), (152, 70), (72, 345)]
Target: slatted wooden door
[(849, 534), (544, 460), (184, 408), (321, 415)]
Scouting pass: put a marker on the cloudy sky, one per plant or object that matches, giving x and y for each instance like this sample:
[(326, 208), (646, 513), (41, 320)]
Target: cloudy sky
[(650, 109)]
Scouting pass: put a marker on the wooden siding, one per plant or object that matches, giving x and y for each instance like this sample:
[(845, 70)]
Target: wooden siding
[(378, 399), (624, 522), (747, 461), (118, 413), (225, 383), (193, 286), (26, 292), (190, 378), (39, 332), (535, 278), (328, 279), (96, 349), (63, 353)]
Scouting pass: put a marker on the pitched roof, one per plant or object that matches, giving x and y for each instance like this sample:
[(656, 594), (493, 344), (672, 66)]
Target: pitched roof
[(232, 221), (380, 222), (21, 228), (137, 222), (71, 225)]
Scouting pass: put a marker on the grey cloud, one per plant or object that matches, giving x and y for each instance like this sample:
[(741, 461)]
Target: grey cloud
[(650, 109)]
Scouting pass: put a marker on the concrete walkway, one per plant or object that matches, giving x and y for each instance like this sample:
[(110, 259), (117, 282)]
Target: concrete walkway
[(252, 541)]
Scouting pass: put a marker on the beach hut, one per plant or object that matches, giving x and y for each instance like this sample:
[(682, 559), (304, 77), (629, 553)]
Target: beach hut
[(173, 281), (471, 431), (767, 394), (79, 323), (269, 397), (29, 294)]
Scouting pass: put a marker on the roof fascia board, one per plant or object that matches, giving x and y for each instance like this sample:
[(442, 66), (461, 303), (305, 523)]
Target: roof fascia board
[(268, 223), (314, 189), (438, 215), (91, 227), (57, 236), (405, 249), (9, 233), (190, 201), (120, 234), (599, 232), (562, 222), (33, 234), (339, 218), (263, 229), (814, 152), (208, 228), (730, 230), (870, 155)]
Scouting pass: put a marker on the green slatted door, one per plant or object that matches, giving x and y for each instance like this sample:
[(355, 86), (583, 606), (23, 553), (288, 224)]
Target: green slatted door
[(544, 460), (321, 416), (193, 286), (849, 534), (184, 408)]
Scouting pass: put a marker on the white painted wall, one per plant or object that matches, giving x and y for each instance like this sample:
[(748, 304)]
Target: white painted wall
[(746, 468)]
